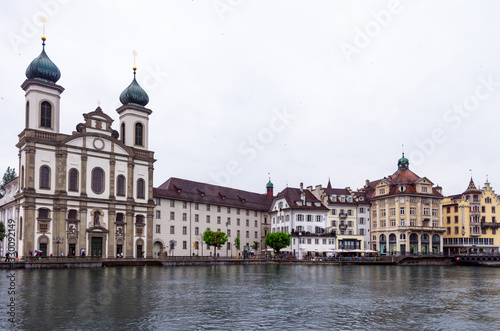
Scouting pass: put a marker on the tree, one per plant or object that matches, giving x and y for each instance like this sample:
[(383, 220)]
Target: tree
[(277, 240), (255, 245), (214, 238), (9, 175), (2, 231), (237, 245)]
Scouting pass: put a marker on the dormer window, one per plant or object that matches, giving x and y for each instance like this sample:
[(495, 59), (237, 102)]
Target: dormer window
[(424, 189), (402, 188), (334, 198), (349, 199), (342, 198), (381, 191)]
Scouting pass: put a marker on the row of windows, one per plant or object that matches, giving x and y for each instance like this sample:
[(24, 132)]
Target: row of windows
[(197, 231), (208, 207), (208, 219), (97, 182), (342, 212)]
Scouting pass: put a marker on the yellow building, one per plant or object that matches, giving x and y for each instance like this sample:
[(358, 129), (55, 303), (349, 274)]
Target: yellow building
[(470, 221)]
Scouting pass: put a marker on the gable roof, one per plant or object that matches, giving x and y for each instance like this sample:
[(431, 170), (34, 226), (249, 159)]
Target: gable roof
[(292, 195), (188, 190)]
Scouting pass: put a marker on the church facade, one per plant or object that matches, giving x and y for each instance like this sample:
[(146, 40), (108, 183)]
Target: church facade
[(89, 192)]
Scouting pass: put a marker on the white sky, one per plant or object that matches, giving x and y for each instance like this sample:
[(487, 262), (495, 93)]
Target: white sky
[(219, 73)]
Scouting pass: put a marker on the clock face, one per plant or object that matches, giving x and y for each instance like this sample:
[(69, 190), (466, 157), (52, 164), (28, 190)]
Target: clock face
[(98, 143)]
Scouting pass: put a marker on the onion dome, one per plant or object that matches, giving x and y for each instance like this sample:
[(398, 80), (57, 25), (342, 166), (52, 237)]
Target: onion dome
[(269, 184), (403, 163), (42, 68), (134, 94)]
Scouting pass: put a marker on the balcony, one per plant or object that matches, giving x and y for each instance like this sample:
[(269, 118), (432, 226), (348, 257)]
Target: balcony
[(311, 234), (421, 228), (342, 216), (343, 226), (490, 225)]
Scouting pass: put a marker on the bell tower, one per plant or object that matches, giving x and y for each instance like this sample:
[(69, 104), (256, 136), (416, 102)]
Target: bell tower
[(42, 94), (134, 116)]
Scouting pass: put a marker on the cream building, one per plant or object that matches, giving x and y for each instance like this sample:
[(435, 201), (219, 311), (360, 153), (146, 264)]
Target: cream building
[(89, 191), (185, 209), (406, 213)]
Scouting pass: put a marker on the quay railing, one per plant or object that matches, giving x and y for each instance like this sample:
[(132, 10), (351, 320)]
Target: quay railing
[(62, 259)]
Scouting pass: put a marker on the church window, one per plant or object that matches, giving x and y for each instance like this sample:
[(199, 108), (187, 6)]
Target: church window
[(139, 134), (73, 180), (72, 214), (120, 185), (123, 132), (46, 115), (98, 180), (140, 188), (45, 177), (27, 114)]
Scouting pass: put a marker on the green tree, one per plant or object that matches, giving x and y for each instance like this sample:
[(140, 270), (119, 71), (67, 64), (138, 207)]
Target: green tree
[(255, 245), (9, 175), (214, 238), (277, 240), (2, 231)]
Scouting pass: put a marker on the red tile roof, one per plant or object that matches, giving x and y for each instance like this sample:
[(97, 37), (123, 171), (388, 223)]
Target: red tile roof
[(292, 195), (187, 190)]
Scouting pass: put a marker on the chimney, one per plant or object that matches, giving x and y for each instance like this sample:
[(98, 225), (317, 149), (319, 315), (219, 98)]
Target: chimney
[(367, 183), (301, 187)]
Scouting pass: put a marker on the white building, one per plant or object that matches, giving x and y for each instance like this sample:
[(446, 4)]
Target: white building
[(300, 213), (185, 209), (8, 211), (89, 191)]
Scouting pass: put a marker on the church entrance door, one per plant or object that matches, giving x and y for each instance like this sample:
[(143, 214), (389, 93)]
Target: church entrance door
[(96, 246)]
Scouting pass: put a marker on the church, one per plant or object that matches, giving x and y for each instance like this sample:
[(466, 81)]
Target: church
[(89, 192)]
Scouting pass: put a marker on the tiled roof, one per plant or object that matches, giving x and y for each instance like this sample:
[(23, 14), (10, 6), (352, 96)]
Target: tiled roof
[(402, 176), (292, 195), (187, 190)]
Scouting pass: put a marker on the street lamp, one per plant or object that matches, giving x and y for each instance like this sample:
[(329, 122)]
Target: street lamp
[(227, 246), (58, 240)]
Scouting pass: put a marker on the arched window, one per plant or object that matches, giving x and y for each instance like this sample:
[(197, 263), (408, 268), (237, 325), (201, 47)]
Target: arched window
[(73, 180), (45, 177), (140, 188), (98, 180), (27, 113), (139, 219), (22, 176), (46, 115), (138, 134), (120, 185), (72, 214), (123, 132)]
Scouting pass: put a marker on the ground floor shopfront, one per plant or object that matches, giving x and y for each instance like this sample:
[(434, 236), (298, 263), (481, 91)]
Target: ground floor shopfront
[(465, 246), (407, 243)]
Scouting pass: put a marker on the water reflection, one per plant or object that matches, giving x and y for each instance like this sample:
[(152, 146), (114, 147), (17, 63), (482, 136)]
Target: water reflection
[(257, 297)]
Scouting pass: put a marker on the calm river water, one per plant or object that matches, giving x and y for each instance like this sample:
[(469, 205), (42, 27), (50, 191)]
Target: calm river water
[(254, 297)]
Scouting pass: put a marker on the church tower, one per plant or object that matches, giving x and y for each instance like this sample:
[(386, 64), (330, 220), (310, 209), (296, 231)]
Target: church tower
[(134, 116), (42, 94)]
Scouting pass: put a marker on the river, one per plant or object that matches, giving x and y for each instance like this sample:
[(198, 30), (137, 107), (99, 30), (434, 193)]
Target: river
[(253, 297)]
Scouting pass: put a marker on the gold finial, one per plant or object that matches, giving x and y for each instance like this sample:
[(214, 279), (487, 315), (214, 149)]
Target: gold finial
[(134, 53), (43, 19)]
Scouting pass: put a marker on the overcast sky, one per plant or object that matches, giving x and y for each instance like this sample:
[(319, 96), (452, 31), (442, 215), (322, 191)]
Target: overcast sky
[(303, 90)]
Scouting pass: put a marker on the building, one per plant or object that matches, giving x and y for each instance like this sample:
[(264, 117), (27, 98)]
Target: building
[(90, 191), (9, 215), (405, 213), (470, 221), (343, 218), (185, 209), (298, 212)]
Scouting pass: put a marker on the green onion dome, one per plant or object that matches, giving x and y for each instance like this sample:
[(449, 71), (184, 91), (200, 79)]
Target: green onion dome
[(134, 94), (269, 184), (403, 163), (42, 68)]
